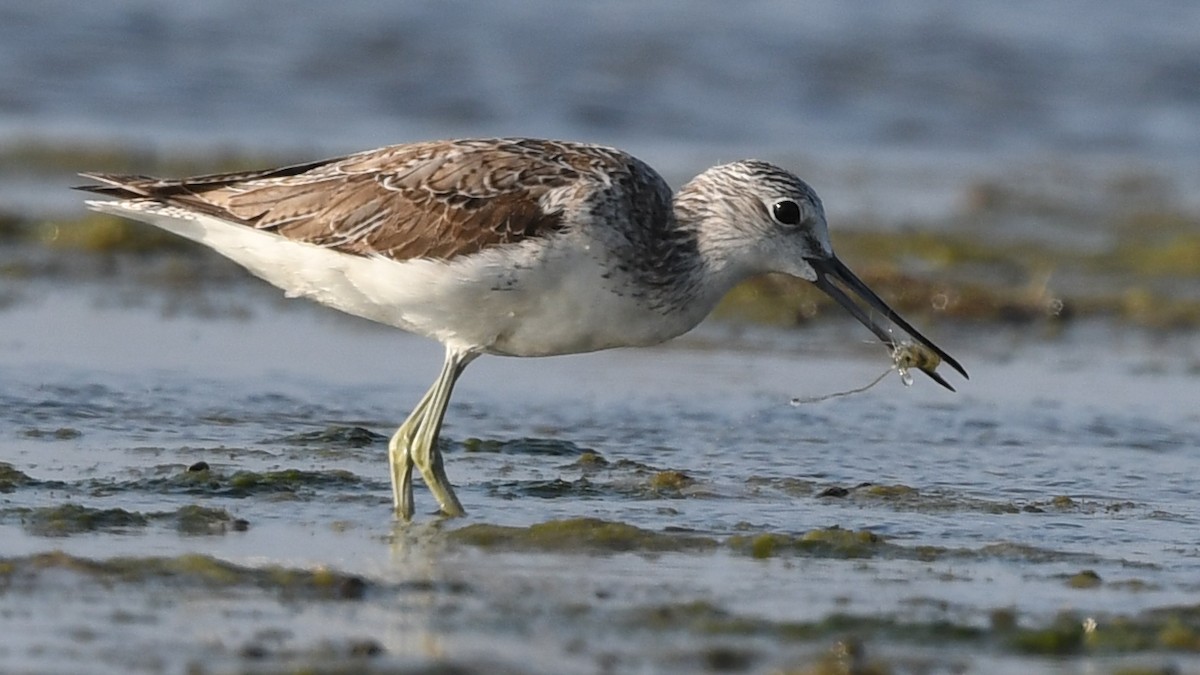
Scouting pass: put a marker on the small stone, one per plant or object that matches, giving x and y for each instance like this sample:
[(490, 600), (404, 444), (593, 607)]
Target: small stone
[(352, 588), (834, 491), (366, 647)]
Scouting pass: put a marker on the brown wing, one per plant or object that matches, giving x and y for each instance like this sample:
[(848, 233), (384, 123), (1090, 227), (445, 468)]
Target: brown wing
[(425, 200)]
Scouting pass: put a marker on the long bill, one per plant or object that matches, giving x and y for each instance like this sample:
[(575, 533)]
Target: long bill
[(831, 269)]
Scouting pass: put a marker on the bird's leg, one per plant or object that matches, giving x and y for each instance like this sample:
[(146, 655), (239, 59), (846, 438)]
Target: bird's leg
[(400, 458), (415, 442), (423, 444)]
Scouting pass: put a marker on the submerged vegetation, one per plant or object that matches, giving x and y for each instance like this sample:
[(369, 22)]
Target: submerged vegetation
[(69, 519), (187, 570), (579, 535)]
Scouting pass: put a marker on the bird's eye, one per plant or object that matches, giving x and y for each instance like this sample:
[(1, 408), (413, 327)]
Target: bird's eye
[(786, 212)]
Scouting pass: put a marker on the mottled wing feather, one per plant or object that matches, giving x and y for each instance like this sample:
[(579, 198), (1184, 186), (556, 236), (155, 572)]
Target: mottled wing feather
[(425, 200)]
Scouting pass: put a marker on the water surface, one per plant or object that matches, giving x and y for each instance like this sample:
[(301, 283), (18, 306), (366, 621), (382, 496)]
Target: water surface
[(663, 509)]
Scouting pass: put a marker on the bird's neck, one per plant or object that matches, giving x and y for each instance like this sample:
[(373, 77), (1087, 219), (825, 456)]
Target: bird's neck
[(706, 267)]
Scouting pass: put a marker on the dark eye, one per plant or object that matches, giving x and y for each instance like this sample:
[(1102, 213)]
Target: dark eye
[(786, 212)]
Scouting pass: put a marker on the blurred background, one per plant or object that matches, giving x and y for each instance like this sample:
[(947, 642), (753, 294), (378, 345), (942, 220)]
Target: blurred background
[(1040, 158)]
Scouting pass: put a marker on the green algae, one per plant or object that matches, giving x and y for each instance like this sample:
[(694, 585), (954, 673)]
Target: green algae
[(894, 496), (59, 434), (830, 542), (325, 657), (201, 520), (12, 478), (1134, 585), (591, 535), (590, 460), (541, 447), (837, 542), (846, 657), (554, 488), (202, 479), (1084, 579), (42, 156), (190, 569), (1171, 629), (786, 301), (579, 535), (907, 498), (891, 491), (790, 486), (289, 480), (1068, 633), (700, 616), (761, 546), (600, 478), (670, 481), (103, 233), (1063, 502), (1064, 636), (336, 436), (1007, 550), (68, 519), (971, 277), (1178, 636), (706, 618)]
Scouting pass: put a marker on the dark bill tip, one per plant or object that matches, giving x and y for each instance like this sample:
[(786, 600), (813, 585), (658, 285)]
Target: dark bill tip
[(831, 269)]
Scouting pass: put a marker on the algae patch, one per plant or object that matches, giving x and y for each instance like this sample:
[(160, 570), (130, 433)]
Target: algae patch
[(599, 477), (1084, 579), (289, 480), (670, 481), (541, 447), (69, 519), (1172, 629), (188, 570), (335, 436), (579, 535), (12, 478), (202, 479), (703, 617), (555, 488), (59, 434), (1135, 279), (102, 233), (201, 520), (830, 542), (838, 542)]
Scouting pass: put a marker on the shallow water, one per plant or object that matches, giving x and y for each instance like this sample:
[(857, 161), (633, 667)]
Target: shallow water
[(193, 473), (967, 523)]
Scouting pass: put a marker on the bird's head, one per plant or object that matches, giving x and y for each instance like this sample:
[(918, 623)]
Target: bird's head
[(760, 218)]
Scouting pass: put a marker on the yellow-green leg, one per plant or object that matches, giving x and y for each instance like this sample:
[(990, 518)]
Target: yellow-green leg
[(416, 443), (401, 462)]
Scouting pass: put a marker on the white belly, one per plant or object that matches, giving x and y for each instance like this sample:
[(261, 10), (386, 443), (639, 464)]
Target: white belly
[(527, 299), (523, 300)]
